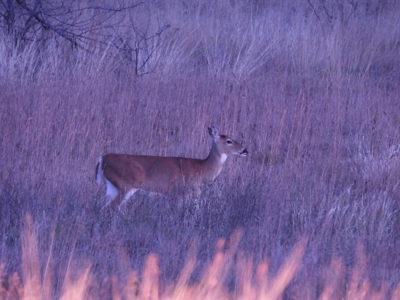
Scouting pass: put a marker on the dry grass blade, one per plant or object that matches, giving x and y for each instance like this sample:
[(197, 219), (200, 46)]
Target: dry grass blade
[(150, 286), (285, 274), (31, 263), (77, 289)]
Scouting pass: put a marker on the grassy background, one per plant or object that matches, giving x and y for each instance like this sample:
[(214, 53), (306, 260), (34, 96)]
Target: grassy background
[(311, 91)]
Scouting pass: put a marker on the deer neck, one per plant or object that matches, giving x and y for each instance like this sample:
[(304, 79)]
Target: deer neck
[(214, 162)]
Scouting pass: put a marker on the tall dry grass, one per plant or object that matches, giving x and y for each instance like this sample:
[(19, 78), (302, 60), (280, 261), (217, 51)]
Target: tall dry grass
[(312, 94), (250, 282)]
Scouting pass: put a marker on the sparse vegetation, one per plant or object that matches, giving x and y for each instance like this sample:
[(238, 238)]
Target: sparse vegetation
[(310, 89)]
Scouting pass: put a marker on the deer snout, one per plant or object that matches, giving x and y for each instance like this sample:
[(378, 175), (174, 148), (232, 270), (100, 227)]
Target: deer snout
[(244, 152)]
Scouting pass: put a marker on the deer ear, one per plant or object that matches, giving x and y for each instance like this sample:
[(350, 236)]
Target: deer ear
[(213, 132)]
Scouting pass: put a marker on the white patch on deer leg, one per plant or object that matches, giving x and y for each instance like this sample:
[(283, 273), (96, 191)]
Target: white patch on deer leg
[(111, 191), (154, 194), (127, 196)]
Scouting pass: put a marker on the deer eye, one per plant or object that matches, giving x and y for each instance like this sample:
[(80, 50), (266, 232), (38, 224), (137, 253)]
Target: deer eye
[(229, 142)]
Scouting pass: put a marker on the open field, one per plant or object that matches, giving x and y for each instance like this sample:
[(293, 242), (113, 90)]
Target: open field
[(312, 92)]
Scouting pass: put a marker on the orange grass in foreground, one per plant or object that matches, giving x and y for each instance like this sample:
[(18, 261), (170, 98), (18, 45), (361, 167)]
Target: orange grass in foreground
[(35, 285)]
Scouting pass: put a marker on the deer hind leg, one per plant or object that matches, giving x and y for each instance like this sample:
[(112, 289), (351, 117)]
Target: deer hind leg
[(114, 204), (120, 199), (126, 197), (114, 194)]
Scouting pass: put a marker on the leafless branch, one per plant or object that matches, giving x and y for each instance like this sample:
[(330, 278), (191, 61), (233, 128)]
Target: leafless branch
[(81, 27)]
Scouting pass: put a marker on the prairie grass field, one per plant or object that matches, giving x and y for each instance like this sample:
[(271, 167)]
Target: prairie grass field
[(310, 88)]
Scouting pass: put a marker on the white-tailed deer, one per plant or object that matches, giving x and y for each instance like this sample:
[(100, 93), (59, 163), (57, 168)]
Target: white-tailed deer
[(125, 174)]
